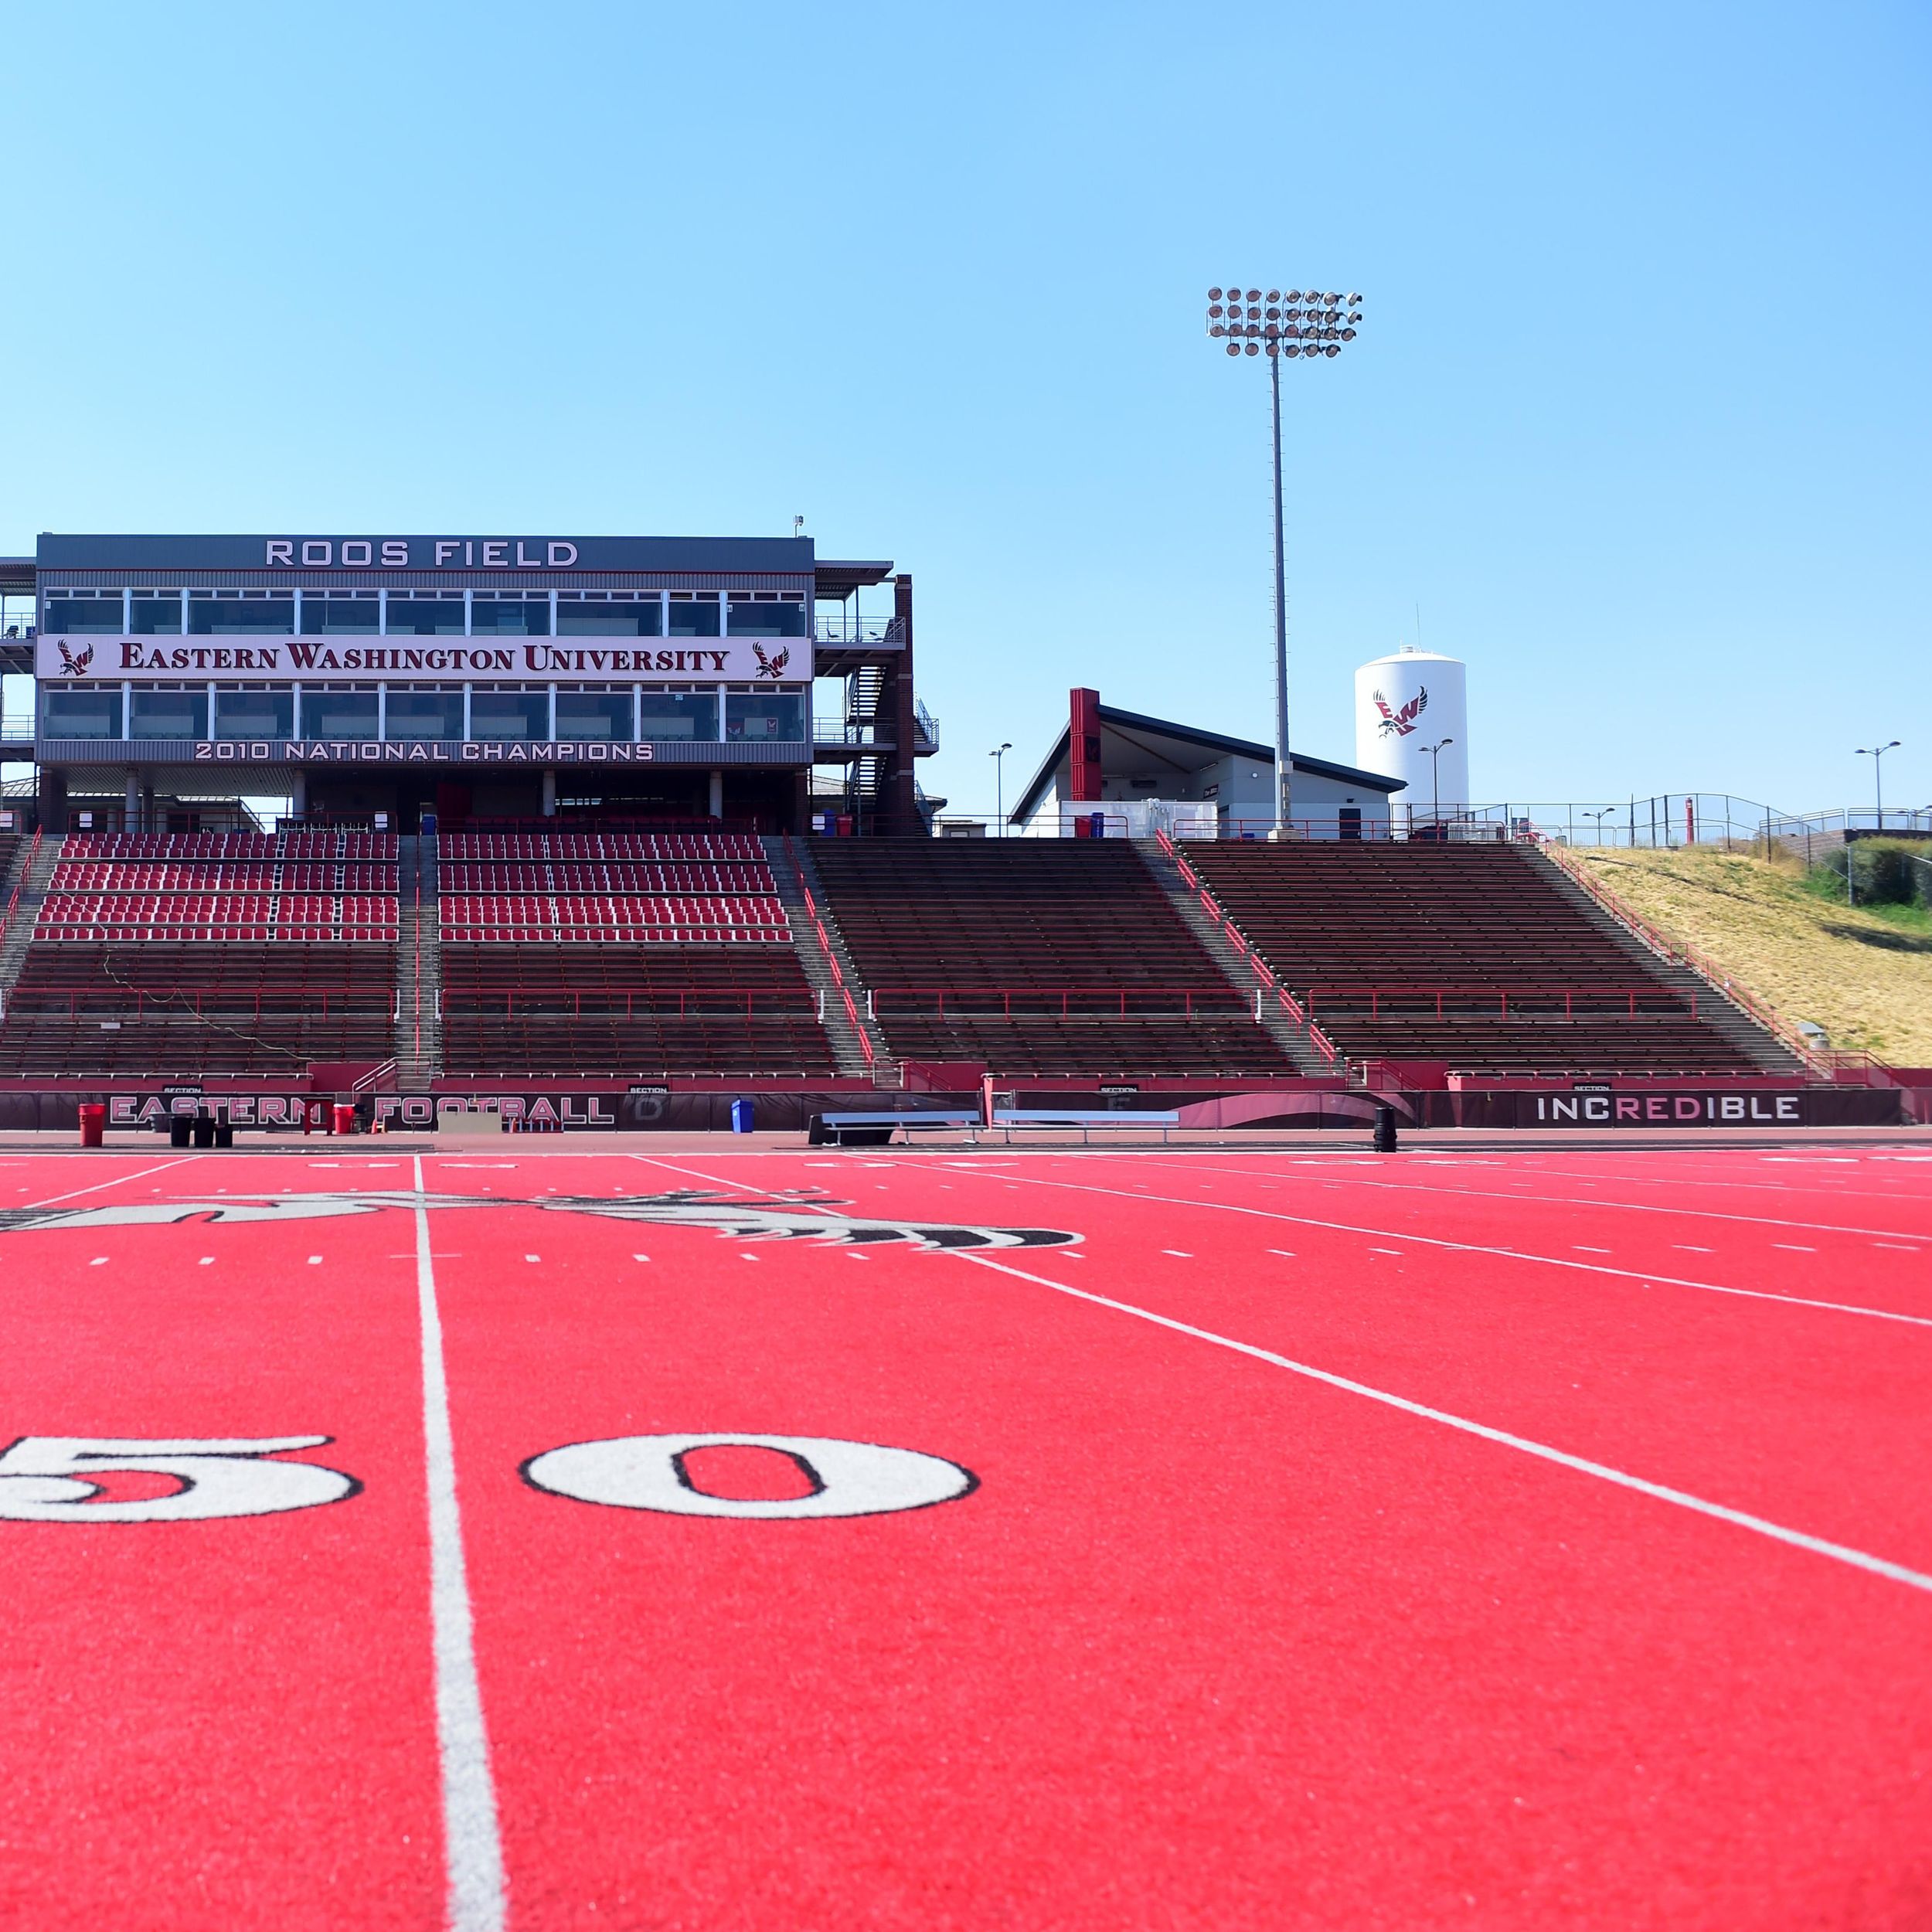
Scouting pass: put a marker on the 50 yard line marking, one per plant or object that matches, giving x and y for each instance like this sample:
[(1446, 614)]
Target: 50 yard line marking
[(472, 1847), (1543, 1451)]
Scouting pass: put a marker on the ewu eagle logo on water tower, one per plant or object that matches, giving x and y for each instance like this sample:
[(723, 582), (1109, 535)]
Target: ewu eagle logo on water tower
[(1402, 721)]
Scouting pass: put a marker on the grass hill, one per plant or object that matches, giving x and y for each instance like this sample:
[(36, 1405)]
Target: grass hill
[(1863, 974)]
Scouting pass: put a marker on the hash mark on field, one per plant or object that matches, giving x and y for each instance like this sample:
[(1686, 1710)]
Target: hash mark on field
[(1288, 1254), (99, 1261), (315, 1261), (208, 1261), (533, 1257), (1897, 1247), (640, 1257), (1689, 1247), (1795, 1247), (1395, 1252), (748, 1257), (1179, 1254), (1583, 1248)]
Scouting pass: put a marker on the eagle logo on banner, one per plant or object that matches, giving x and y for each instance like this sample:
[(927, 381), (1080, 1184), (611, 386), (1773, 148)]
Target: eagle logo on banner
[(804, 1214), (771, 666), (73, 667), (1402, 721)]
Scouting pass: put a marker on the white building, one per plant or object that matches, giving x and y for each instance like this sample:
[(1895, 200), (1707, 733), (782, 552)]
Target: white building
[(1129, 760)]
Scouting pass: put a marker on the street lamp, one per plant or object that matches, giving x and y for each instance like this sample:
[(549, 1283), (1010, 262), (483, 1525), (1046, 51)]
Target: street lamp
[(1300, 322), (1599, 817), (1876, 753), (999, 785), (1435, 752)]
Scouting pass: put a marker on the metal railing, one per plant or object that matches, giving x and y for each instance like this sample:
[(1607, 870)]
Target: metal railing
[(832, 959), (1110, 1002), (1486, 998), (845, 627)]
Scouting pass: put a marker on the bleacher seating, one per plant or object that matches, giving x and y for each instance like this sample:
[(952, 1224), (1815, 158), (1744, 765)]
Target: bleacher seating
[(184, 1008), (220, 952), (1466, 954), (624, 953), (1039, 957)]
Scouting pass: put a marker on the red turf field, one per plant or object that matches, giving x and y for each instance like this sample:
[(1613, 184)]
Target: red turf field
[(1500, 1541)]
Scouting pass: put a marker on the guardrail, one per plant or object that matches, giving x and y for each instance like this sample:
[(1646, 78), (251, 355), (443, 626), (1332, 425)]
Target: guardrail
[(832, 959), (13, 898), (1213, 908), (1098, 1002), (1499, 997), (203, 1005)]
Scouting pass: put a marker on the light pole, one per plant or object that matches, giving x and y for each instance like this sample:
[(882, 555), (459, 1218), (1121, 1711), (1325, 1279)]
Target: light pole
[(999, 785), (1300, 322), (1599, 817), (1876, 753), (1435, 752)]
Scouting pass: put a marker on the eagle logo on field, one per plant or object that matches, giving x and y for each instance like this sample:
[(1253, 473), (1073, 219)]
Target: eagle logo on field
[(771, 666), (803, 1215), (1402, 721), (73, 667)]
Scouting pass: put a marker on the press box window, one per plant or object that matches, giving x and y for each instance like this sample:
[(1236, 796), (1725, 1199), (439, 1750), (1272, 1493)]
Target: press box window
[(331, 613), (767, 614), (154, 613), (169, 711), (677, 711), (774, 716), (694, 614), (582, 613), (239, 613), (588, 714), (68, 712), (436, 713), (511, 617), (424, 616), (339, 712), (504, 711), (84, 613), (255, 711)]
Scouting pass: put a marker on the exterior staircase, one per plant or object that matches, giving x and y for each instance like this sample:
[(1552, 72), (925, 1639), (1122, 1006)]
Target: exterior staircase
[(792, 867), (1715, 1005), (1234, 965), (419, 966), (32, 868)]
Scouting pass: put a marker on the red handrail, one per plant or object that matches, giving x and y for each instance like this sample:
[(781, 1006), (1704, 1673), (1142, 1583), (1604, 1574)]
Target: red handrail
[(831, 958)]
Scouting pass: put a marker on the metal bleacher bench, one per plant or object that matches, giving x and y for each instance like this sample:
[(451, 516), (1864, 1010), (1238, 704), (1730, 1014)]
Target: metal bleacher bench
[(1006, 1118), (876, 1130)]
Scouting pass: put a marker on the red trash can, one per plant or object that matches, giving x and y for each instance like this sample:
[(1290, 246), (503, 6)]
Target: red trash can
[(94, 1124), (341, 1119)]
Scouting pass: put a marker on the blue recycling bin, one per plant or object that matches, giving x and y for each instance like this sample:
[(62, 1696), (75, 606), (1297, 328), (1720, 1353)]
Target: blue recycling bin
[(742, 1117)]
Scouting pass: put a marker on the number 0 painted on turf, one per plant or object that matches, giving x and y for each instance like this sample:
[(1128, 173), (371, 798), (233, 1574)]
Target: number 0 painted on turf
[(647, 1472), (49, 1478)]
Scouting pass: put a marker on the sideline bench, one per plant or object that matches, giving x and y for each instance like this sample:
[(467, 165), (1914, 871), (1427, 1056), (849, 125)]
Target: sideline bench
[(1007, 1118), (876, 1130)]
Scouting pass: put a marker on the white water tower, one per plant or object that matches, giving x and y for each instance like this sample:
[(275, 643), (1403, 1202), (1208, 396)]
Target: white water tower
[(1404, 703)]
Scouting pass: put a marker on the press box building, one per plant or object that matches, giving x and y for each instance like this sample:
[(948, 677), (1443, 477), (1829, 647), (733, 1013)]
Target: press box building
[(499, 677)]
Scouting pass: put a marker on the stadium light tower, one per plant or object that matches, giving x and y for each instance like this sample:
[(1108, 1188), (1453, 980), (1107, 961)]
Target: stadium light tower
[(1299, 322), (1876, 753)]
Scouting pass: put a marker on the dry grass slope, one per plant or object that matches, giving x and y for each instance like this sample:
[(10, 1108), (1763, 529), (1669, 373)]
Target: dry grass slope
[(1865, 979)]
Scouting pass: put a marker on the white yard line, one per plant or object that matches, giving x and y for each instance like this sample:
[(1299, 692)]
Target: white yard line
[(140, 1174), (1588, 1200), (1682, 1499), (1645, 1275), (472, 1851)]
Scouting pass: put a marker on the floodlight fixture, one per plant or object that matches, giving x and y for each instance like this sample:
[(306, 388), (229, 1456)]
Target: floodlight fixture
[(1298, 323)]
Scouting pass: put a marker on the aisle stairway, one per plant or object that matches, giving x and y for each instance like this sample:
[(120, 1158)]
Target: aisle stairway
[(792, 867), (419, 968)]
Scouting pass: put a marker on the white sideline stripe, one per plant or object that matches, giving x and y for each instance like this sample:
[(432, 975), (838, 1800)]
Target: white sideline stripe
[(1797, 1539), (140, 1175), (472, 1851), (1645, 1275), (1591, 1200)]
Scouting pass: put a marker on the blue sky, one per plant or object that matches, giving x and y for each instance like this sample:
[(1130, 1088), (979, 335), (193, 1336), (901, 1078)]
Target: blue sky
[(1638, 417)]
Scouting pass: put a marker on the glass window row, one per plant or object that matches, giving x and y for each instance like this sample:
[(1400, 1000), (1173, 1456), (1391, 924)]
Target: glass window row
[(616, 715), (134, 612)]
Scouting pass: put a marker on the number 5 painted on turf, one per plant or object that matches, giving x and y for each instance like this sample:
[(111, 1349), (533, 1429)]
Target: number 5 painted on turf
[(47, 1478)]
